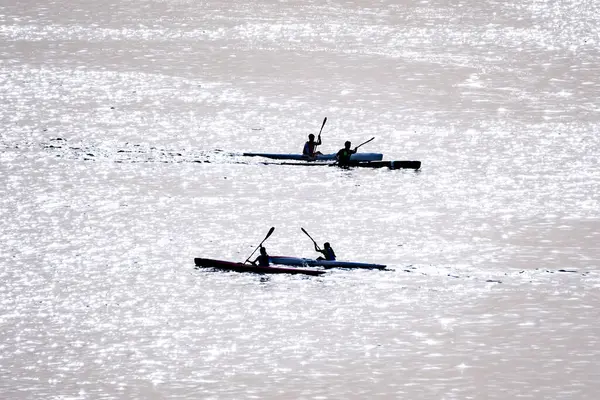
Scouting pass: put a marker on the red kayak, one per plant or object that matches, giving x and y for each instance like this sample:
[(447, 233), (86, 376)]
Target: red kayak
[(239, 267)]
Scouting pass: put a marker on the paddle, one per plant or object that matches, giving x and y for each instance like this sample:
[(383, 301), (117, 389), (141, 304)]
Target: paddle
[(325, 120), (364, 143), (266, 237), (319, 141), (316, 245), (356, 148)]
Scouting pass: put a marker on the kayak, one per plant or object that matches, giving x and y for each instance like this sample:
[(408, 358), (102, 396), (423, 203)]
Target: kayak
[(367, 164), (283, 260), (239, 267), (388, 164), (320, 157)]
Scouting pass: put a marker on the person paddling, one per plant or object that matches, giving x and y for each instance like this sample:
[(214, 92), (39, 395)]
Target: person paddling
[(327, 251), (343, 156), (310, 147), (262, 259)]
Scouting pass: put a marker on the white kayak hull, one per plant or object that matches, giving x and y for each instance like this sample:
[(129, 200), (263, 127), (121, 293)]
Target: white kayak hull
[(321, 157), (298, 261)]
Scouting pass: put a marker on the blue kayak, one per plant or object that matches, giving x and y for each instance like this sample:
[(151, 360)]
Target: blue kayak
[(360, 157), (309, 262)]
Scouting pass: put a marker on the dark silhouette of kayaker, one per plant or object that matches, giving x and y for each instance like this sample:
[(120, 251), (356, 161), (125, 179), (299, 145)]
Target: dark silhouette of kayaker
[(343, 156), (327, 251), (262, 259), (310, 147)]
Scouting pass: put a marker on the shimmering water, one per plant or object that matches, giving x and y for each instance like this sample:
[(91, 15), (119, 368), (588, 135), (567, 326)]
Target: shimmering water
[(123, 125)]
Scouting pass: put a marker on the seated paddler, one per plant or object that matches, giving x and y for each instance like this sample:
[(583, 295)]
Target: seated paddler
[(343, 156), (327, 251), (310, 147), (262, 259)]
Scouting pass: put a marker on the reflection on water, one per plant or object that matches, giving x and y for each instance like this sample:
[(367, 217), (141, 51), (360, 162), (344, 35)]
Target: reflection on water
[(122, 129)]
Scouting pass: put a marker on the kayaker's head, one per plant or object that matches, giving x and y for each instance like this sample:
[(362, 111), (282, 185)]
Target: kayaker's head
[(311, 138), (263, 251), (327, 245), (348, 144)]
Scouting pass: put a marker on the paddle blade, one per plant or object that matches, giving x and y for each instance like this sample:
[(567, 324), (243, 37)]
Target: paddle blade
[(306, 233), (269, 234), (322, 126)]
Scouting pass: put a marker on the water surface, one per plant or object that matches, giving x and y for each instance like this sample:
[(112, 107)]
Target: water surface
[(122, 130)]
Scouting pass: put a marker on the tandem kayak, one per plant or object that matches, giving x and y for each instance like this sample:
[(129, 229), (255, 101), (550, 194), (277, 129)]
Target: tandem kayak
[(283, 260), (366, 164), (239, 267), (322, 157)]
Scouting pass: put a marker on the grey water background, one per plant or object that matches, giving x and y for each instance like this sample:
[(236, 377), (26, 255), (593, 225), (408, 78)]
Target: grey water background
[(122, 128)]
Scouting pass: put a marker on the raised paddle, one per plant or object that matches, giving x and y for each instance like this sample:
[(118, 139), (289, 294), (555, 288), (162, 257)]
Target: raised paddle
[(316, 245), (315, 152), (325, 120), (355, 149), (364, 143), (266, 237)]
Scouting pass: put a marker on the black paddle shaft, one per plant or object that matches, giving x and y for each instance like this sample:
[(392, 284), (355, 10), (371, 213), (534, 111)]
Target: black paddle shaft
[(266, 237), (316, 245), (365, 142), (325, 120)]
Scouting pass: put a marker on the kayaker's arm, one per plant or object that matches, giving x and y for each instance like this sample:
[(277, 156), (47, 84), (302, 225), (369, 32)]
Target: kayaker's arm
[(255, 262)]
